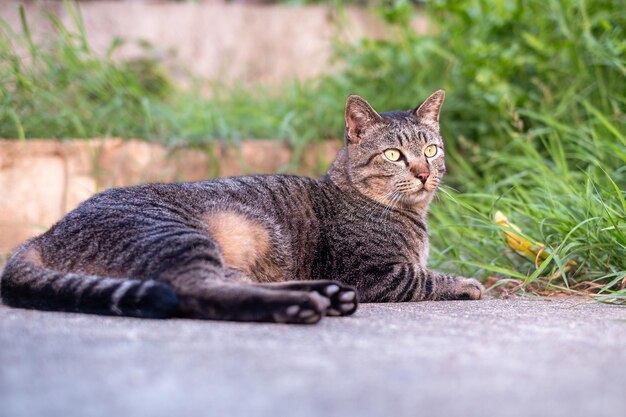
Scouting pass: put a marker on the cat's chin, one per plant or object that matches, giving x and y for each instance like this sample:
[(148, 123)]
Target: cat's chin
[(419, 198)]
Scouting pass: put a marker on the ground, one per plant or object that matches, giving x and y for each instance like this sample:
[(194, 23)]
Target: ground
[(518, 357)]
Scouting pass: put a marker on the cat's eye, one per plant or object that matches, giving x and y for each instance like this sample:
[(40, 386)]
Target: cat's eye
[(430, 151), (392, 154)]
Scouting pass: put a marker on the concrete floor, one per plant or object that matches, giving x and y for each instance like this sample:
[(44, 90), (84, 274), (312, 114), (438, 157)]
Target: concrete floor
[(519, 357)]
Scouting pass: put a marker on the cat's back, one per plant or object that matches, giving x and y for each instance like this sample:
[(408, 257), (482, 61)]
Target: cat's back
[(185, 199)]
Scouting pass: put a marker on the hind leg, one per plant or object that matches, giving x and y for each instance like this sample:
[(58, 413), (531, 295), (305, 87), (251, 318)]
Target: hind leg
[(192, 264), (213, 294), (207, 289), (244, 302), (342, 298)]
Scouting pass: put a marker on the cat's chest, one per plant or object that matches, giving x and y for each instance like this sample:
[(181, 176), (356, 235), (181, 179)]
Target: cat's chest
[(379, 234)]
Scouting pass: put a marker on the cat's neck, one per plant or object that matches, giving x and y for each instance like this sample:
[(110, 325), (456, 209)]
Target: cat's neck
[(339, 174)]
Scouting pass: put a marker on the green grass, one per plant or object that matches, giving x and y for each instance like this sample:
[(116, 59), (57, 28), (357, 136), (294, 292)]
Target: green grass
[(62, 89), (534, 121)]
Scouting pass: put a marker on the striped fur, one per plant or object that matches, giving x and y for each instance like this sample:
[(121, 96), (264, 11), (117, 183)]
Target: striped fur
[(258, 248)]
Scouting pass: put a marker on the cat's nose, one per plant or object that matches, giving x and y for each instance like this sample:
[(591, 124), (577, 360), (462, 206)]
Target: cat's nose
[(423, 176)]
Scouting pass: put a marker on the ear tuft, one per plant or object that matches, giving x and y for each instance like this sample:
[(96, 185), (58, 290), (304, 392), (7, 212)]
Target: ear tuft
[(359, 116), (428, 111)]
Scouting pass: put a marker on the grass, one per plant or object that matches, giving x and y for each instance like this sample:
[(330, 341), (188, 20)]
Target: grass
[(62, 89), (534, 122)]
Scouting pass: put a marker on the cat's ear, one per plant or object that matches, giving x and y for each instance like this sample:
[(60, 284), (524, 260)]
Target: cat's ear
[(428, 111), (359, 116)]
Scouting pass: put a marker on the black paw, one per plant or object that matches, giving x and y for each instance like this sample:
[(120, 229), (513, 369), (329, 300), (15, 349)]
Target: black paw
[(340, 299), (308, 311), (343, 299)]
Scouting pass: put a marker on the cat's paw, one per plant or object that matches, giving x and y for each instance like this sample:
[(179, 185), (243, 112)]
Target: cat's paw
[(469, 289), (309, 310), (343, 299)]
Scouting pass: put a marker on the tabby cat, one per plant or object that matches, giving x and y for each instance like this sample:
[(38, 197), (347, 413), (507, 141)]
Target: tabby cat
[(273, 248)]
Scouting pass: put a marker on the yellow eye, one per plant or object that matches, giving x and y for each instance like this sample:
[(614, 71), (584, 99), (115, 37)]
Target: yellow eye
[(430, 151), (392, 154)]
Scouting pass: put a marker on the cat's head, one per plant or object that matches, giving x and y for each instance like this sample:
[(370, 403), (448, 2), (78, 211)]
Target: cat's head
[(396, 158)]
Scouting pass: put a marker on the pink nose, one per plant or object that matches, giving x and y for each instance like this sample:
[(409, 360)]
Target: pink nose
[(423, 176)]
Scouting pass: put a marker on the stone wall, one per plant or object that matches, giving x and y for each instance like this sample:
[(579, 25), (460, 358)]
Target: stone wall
[(226, 43), (41, 180)]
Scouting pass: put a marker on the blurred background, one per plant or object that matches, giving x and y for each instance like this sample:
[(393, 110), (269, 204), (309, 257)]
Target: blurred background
[(95, 94)]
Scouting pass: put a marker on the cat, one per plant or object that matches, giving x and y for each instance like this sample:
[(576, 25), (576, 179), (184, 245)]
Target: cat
[(275, 248)]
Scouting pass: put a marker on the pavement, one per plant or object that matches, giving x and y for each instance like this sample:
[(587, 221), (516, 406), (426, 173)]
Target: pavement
[(516, 357)]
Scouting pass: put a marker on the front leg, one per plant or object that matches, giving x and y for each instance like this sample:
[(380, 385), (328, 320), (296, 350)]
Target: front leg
[(450, 287), (409, 282)]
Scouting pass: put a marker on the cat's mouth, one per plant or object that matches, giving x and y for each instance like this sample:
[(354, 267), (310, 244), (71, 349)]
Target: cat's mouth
[(418, 190), (409, 193)]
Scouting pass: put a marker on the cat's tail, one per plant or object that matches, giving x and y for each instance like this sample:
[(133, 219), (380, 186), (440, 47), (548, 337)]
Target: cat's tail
[(27, 283)]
